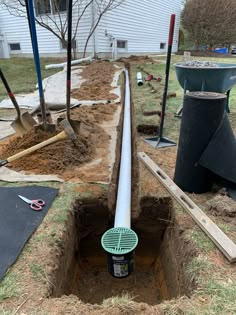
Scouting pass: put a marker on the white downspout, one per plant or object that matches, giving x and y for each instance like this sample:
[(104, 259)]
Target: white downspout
[(95, 32)]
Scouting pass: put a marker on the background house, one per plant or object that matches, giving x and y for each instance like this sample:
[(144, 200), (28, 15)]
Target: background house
[(135, 27)]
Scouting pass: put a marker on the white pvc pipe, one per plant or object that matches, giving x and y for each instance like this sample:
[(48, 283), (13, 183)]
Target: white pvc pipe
[(74, 62), (139, 78), (123, 202)]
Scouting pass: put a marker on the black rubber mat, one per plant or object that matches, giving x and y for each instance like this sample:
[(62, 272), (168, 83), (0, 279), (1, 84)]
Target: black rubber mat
[(18, 220)]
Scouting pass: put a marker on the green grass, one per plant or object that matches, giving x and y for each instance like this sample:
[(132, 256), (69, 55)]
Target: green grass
[(37, 270), (8, 287), (201, 240), (21, 75)]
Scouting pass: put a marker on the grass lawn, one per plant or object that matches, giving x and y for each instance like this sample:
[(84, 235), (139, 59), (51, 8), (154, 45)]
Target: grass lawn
[(144, 99), (21, 74)]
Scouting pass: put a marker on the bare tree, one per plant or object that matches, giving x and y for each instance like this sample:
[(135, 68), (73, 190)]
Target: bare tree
[(100, 7), (51, 15), (210, 22)]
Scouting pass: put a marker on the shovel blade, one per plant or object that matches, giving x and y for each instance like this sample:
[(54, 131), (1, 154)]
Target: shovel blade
[(158, 142), (18, 127), (45, 127), (28, 121)]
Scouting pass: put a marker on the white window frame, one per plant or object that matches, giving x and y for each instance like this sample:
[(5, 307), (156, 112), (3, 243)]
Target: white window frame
[(52, 11), (126, 45), (163, 43), (17, 51)]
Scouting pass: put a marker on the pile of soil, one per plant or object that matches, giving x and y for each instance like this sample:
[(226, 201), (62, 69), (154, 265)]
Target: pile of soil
[(99, 76), (136, 59), (54, 158), (63, 156)]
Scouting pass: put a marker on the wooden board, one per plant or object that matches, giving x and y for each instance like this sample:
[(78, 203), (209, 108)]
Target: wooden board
[(220, 239)]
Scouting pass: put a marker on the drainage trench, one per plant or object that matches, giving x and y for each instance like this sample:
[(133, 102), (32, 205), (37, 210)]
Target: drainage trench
[(160, 257)]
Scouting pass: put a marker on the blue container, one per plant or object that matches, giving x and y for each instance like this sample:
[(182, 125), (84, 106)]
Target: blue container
[(221, 50)]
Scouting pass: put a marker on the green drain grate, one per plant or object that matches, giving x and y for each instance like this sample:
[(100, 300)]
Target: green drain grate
[(119, 241)]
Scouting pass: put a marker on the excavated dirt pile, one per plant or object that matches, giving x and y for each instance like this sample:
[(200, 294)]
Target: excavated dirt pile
[(62, 155), (54, 158), (136, 59), (99, 76)]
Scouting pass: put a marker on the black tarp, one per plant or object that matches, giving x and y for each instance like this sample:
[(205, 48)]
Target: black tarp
[(207, 144), (18, 221)]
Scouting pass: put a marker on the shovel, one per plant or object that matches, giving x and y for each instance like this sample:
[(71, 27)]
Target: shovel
[(160, 141), (23, 122), (45, 120), (73, 123)]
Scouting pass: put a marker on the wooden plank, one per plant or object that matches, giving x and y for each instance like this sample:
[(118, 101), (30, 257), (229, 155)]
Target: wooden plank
[(220, 239)]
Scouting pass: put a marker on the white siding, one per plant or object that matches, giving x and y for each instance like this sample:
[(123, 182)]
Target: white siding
[(144, 24), (17, 31)]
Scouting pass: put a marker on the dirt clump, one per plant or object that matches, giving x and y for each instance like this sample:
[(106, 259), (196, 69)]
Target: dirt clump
[(222, 205), (99, 76)]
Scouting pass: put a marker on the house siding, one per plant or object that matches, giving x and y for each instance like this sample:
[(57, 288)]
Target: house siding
[(16, 30), (143, 24)]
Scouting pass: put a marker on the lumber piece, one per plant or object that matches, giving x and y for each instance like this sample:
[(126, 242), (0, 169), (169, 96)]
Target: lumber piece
[(219, 238)]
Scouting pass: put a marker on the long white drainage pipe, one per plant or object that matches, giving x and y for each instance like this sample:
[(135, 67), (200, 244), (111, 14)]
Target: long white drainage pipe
[(120, 241), (123, 202), (74, 62)]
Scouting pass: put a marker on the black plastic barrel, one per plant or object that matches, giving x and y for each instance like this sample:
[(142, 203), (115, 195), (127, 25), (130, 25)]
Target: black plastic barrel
[(203, 113)]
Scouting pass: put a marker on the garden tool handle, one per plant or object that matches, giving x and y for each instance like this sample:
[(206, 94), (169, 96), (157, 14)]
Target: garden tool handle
[(10, 94), (61, 136), (171, 30)]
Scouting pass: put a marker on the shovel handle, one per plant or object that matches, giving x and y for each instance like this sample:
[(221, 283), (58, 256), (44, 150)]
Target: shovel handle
[(61, 136)]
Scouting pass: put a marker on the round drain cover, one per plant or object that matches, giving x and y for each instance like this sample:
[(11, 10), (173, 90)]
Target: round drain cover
[(119, 241)]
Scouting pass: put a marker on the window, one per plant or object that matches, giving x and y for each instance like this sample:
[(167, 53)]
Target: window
[(50, 6), (59, 6), (122, 44), (42, 7), (14, 46), (162, 45), (64, 44)]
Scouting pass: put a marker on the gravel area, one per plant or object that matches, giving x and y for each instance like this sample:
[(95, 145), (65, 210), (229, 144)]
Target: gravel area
[(200, 64)]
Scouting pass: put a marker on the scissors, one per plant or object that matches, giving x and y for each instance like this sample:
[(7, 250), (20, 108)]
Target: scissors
[(36, 205)]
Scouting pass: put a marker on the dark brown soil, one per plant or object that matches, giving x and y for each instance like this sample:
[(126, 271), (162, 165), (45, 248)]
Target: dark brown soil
[(99, 76), (148, 129)]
